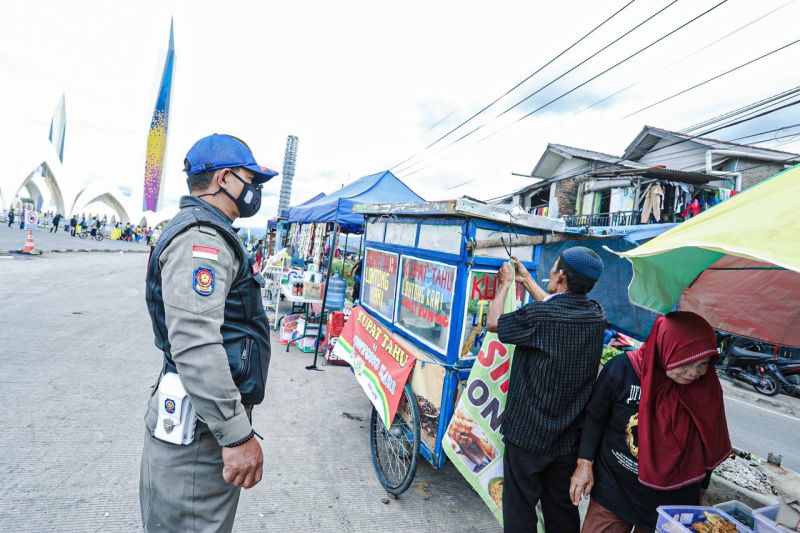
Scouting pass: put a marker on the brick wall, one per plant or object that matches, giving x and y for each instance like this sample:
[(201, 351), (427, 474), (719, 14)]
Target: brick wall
[(567, 195), (762, 171)]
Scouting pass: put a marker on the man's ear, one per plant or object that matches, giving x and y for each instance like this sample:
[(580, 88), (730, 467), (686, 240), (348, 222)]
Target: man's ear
[(221, 177)]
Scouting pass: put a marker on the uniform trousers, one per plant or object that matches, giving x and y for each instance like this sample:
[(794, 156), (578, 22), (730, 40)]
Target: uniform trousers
[(181, 487), (531, 477)]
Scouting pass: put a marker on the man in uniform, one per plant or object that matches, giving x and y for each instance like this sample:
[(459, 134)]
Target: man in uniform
[(204, 301)]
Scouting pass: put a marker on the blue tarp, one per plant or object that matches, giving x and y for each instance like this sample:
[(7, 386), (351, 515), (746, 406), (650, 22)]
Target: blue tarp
[(383, 187), (612, 289)]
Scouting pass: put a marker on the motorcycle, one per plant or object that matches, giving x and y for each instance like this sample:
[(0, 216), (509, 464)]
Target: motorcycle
[(751, 362)]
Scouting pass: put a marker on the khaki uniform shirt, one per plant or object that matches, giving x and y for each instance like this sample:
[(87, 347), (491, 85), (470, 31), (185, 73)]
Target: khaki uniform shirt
[(193, 326)]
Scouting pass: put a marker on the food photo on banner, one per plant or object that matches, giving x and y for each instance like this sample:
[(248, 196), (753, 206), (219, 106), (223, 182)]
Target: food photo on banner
[(473, 441), (381, 362), (426, 300)]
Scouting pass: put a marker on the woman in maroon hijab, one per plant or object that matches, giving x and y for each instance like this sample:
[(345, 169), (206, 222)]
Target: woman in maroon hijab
[(655, 428)]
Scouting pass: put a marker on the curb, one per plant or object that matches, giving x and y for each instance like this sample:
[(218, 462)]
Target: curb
[(75, 250), (721, 490)]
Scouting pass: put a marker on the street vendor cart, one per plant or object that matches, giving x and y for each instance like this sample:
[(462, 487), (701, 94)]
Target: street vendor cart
[(429, 274)]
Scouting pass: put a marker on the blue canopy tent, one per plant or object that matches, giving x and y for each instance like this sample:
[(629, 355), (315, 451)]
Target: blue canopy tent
[(285, 212), (337, 208)]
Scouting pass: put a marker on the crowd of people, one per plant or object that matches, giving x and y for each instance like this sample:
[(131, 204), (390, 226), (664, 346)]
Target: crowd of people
[(90, 223)]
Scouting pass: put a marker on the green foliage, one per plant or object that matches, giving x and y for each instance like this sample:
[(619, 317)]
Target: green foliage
[(608, 354), (344, 271)]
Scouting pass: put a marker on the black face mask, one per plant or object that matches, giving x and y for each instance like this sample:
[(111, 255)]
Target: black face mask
[(249, 201)]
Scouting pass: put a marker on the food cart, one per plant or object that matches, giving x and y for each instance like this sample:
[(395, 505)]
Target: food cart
[(429, 274)]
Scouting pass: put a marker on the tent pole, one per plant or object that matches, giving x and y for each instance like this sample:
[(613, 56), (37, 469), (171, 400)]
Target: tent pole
[(313, 366)]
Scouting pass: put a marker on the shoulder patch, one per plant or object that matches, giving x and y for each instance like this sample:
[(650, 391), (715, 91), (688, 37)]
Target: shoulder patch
[(203, 281), (205, 252)]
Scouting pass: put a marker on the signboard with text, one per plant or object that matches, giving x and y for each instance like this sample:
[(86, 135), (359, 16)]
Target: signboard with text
[(473, 441), (380, 282), (426, 300), (481, 288), (381, 362)]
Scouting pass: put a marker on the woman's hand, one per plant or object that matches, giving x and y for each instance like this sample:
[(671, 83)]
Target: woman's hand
[(582, 481)]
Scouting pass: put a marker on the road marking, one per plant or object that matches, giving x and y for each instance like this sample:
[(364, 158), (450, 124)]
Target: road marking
[(762, 408)]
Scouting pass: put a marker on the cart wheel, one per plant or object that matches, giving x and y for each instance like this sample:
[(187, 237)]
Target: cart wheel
[(395, 450)]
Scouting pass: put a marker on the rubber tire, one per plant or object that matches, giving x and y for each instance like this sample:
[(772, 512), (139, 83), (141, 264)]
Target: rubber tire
[(83, 235), (772, 391), (415, 428), (99, 237)]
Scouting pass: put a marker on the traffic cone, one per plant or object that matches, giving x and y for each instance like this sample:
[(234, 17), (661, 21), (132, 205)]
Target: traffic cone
[(28, 248)]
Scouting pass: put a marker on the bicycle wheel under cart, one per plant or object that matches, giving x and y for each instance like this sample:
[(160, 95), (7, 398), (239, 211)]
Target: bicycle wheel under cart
[(395, 450)]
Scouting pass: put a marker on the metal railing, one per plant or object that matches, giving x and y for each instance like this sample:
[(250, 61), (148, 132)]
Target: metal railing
[(619, 218)]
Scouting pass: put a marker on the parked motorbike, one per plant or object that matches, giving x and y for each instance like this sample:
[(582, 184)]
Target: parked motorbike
[(751, 362)]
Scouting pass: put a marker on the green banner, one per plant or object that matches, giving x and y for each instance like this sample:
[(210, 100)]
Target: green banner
[(473, 441)]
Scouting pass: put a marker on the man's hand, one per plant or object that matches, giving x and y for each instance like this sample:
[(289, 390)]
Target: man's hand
[(243, 464), (581, 482), (506, 274), (522, 273)]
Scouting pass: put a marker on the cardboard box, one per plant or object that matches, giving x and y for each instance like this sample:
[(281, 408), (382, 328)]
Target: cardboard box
[(312, 290)]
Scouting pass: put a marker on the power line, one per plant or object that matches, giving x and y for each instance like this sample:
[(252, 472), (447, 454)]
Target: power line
[(684, 58), (768, 100), (617, 64), (560, 76), (709, 80), (548, 63)]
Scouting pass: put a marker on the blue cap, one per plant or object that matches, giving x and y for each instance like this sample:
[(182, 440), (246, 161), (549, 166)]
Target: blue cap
[(224, 151), (583, 261)]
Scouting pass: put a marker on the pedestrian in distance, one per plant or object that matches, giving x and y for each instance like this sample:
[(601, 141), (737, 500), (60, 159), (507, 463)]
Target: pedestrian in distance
[(56, 222), (559, 340), (73, 223), (10, 217), (209, 322), (655, 428), (22, 219)]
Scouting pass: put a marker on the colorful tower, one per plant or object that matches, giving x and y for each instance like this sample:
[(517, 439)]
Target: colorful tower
[(58, 127), (157, 137)]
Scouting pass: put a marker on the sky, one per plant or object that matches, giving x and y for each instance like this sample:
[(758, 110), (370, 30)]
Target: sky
[(365, 85)]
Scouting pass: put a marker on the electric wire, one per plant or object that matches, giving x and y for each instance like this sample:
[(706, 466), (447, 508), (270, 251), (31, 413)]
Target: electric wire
[(548, 63), (617, 64), (709, 80)]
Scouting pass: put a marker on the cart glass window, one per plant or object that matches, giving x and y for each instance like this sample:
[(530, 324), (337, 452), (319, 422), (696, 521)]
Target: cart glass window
[(525, 253), (481, 289), (401, 234), (427, 289), (375, 231), (380, 282), (445, 239)]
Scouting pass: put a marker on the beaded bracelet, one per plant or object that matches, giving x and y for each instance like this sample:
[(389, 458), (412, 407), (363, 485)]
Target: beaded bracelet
[(241, 441)]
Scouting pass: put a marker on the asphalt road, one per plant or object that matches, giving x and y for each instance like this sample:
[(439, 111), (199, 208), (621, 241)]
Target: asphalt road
[(76, 363), (759, 424)]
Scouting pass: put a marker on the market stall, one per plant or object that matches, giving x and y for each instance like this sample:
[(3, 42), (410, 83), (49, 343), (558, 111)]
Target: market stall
[(430, 272), (334, 213)]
